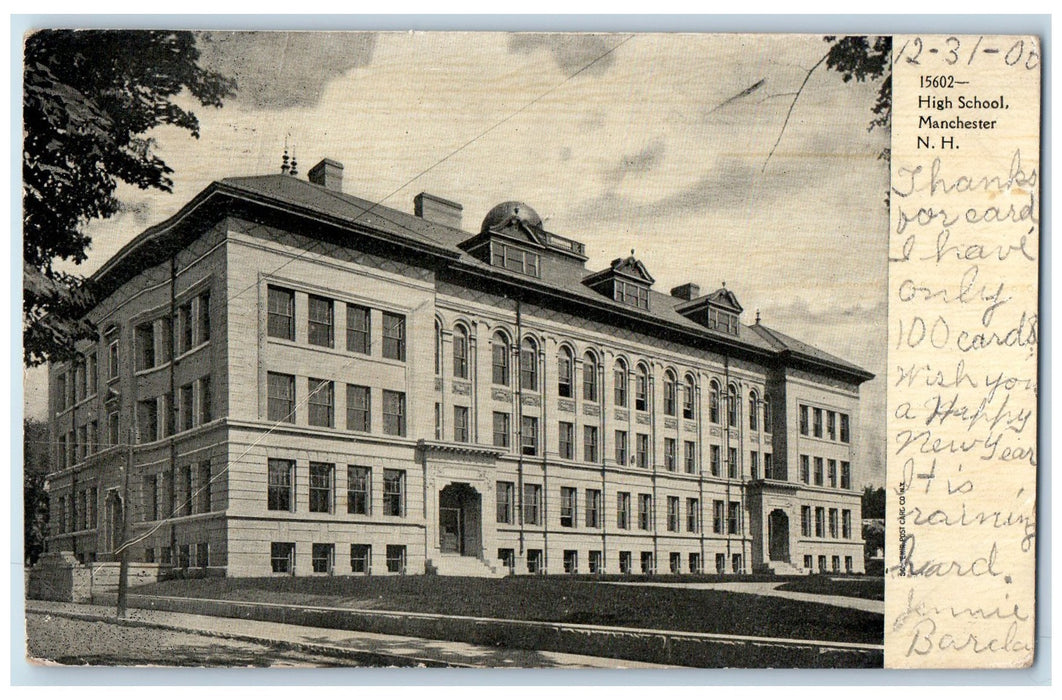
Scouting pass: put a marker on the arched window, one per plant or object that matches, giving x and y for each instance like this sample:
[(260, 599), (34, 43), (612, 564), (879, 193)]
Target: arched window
[(641, 389), (670, 391), (731, 406), (564, 373), (438, 348), (713, 401), (499, 362), (528, 365), (689, 398), (460, 352), (619, 380), (767, 413), (589, 377), (754, 411)]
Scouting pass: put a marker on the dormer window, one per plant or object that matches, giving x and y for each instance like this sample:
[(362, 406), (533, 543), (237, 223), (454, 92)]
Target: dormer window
[(722, 321), (631, 294), (625, 280), (515, 259)]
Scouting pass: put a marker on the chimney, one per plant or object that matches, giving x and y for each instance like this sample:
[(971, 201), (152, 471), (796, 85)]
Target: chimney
[(437, 210), (686, 292), (328, 174)]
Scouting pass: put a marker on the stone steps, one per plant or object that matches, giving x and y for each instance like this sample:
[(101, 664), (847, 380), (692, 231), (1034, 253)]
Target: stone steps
[(457, 565)]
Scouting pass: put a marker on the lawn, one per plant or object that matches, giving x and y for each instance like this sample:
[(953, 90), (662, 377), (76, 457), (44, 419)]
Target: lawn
[(868, 588), (553, 599)]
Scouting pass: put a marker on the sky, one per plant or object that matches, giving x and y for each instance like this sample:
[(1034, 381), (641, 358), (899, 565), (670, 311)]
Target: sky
[(652, 142)]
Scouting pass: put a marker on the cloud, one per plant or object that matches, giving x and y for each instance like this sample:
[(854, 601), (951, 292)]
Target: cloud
[(281, 70), (571, 52), (636, 164)]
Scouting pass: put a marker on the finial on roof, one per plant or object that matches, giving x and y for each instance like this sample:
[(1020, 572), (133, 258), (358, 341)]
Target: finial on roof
[(632, 252), (294, 165), (757, 317), (284, 167), (724, 284)]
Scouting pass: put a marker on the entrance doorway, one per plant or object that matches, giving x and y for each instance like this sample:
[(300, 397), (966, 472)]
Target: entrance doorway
[(778, 535), (460, 519)]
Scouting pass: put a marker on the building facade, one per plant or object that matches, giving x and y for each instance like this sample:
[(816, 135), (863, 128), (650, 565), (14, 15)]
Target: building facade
[(292, 380)]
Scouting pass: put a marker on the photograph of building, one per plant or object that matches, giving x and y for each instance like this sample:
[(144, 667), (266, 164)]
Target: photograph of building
[(293, 380)]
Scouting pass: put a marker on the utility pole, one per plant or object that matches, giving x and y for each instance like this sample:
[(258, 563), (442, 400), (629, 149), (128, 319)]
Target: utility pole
[(123, 534)]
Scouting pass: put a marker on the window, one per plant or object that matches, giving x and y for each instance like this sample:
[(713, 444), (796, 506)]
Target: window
[(736, 565), (358, 329), (505, 491), (113, 429), (626, 562), (754, 464), (695, 563), (732, 463), (112, 360), (90, 373), (848, 565), (693, 516), (809, 562), (359, 490), (673, 514), (499, 360), (501, 429), (438, 348), (816, 423), (460, 423), (282, 557), (564, 373), (818, 471), (768, 467), (394, 336), (528, 365), (713, 402), (593, 508), (396, 558), (596, 566), (669, 454), (205, 504), (93, 444), (805, 469), (589, 443), (734, 518), (835, 564), (514, 259), (714, 460), (394, 492), (281, 323), (831, 472), (754, 412), (831, 425), (147, 420), (846, 524), (571, 561), (689, 398), (846, 475), (845, 435), (321, 400), (589, 378), (185, 507), (670, 393), (184, 556), (358, 417), (534, 561), (565, 438), (361, 558), (833, 523), (281, 484), (567, 506), (731, 406), (717, 517), (619, 384), (647, 562), (507, 556), (532, 507), (767, 416), (623, 510), (803, 419), (321, 321), (203, 325), (805, 521), (631, 294), (621, 448), (641, 389), (323, 556), (820, 522), (438, 421), (822, 563), (321, 479), (206, 401), (642, 450), (722, 321), (185, 336), (281, 403), (675, 562), (145, 346), (460, 352), (60, 392), (394, 410), (529, 435), (645, 511)]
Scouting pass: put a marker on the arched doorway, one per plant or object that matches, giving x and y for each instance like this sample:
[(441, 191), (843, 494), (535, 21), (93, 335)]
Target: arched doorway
[(460, 520), (778, 536)]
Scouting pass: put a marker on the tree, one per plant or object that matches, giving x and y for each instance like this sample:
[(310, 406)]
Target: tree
[(90, 98), (37, 462), (874, 503)]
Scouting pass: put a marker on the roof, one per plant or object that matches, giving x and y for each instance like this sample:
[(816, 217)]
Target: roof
[(785, 343)]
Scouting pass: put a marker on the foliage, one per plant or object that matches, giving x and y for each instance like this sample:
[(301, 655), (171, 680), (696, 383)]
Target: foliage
[(90, 99), (863, 58), (37, 462), (874, 503)]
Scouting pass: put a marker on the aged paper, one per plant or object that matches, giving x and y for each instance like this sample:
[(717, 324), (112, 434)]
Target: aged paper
[(963, 332)]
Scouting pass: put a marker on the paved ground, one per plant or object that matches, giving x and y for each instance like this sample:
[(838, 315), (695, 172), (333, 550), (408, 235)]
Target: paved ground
[(205, 640), (770, 588)]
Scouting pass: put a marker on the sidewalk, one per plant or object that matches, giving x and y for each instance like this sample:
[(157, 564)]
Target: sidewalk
[(365, 647), (770, 588)]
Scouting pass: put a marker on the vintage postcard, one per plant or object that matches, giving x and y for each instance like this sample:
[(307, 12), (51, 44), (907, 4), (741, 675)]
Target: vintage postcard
[(530, 350)]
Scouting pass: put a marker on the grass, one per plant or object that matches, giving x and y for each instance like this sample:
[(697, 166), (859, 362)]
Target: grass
[(553, 599), (867, 588)]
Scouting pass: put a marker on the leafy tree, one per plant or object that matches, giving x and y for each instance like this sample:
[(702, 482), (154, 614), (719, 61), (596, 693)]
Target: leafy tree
[(874, 503), (90, 99), (37, 462)]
